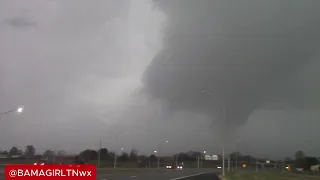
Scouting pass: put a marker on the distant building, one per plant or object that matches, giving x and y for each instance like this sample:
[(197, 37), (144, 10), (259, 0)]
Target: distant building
[(315, 167), (16, 156), (3, 156)]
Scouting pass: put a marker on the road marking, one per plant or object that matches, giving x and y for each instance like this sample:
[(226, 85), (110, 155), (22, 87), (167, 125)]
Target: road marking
[(189, 176), (133, 176)]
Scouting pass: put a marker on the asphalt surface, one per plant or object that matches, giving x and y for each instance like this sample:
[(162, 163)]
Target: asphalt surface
[(155, 174), (206, 176), (186, 174)]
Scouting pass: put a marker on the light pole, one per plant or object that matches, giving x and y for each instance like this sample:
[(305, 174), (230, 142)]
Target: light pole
[(159, 146), (99, 153), (19, 110), (224, 118), (177, 158), (202, 157), (115, 158), (154, 152), (115, 153)]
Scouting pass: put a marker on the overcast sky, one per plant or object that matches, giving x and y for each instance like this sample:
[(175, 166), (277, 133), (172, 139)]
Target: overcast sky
[(134, 74)]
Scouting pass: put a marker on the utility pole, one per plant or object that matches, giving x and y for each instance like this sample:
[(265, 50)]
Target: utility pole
[(233, 166), (177, 156), (100, 146), (236, 160), (198, 161), (229, 164), (224, 114), (223, 172)]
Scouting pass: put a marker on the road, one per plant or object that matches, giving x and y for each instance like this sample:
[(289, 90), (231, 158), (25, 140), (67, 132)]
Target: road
[(186, 174), (206, 176), (155, 174)]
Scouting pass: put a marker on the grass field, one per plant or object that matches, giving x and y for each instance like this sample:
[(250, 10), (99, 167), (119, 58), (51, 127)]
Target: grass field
[(269, 176)]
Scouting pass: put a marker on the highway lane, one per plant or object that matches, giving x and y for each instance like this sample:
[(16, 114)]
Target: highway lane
[(205, 176), (155, 174), (164, 175)]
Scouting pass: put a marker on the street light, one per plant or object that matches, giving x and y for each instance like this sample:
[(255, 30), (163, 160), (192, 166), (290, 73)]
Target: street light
[(18, 110), (115, 153), (224, 114), (159, 146), (115, 158), (201, 158)]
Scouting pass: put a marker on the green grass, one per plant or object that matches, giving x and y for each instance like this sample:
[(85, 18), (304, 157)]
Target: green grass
[(269, 176)]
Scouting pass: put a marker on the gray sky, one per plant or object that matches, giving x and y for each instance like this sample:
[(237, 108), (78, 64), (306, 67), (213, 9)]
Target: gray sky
[(89, 71)]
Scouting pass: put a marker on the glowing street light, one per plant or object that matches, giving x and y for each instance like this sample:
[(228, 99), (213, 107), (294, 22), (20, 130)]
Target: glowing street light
[(18, 110), (224, 108), (202, 157), (159, 146), (155, 151)]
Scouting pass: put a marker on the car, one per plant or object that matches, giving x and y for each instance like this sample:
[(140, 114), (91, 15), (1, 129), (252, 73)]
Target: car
[(169, 166), (219, 167), (40, 162), (180, 167)]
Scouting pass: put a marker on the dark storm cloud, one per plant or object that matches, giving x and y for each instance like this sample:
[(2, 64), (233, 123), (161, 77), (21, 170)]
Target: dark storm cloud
[(242, 55), (78, 74), (74, 70)]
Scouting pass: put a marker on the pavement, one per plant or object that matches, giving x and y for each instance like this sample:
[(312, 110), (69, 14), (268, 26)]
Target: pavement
[(157, 174), (185, 174)]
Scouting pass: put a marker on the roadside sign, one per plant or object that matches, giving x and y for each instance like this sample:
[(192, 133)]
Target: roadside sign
[(267, 161), (211, 157)]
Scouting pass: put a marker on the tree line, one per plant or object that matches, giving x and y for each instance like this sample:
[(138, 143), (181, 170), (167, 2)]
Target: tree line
[(14, 151), (304, 161), (103, 154)]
